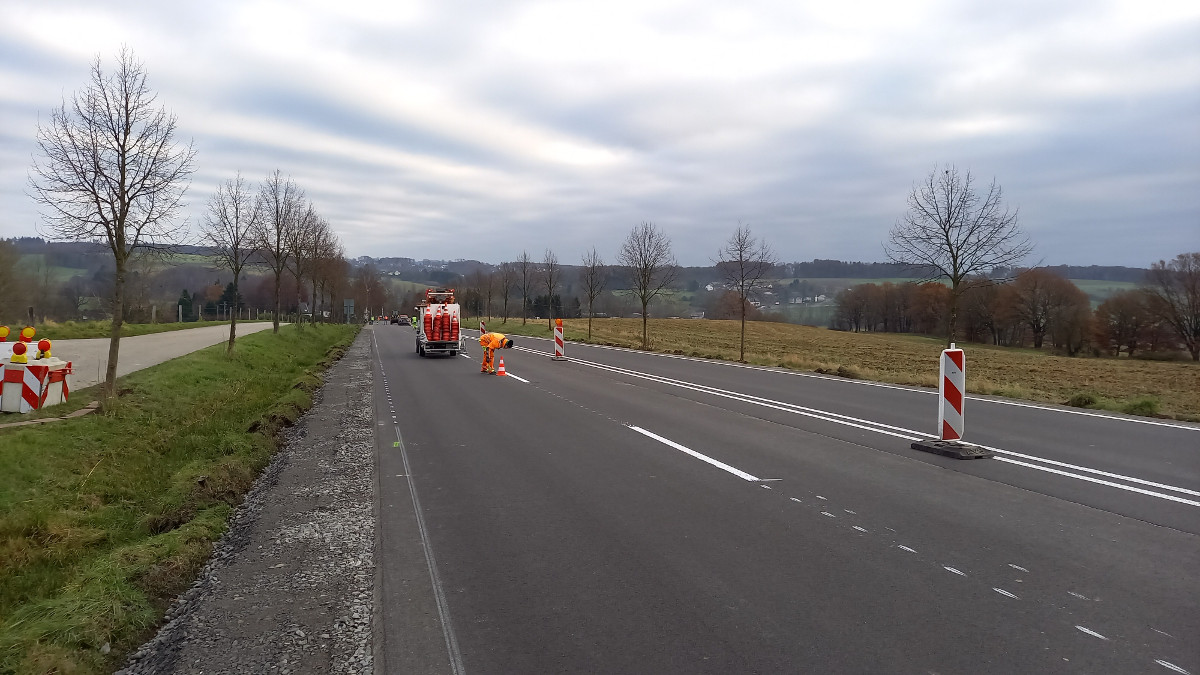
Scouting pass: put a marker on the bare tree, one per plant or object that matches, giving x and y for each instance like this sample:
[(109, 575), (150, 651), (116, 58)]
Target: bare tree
[(956, 230), (112, 171), (551, 275), (325, 247), (280, 200), (593, 275), (646, 254), (229, 226), (526, 269), (302, 241), (506, 277), (743, 262), (1174, 292)]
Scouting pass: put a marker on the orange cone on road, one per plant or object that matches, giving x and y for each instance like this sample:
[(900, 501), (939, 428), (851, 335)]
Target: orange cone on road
[(500, 369)]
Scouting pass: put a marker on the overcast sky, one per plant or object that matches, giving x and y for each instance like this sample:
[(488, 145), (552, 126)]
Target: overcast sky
[(449, 129)]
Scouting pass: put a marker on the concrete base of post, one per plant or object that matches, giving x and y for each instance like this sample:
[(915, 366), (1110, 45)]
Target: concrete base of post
[(955, 449)]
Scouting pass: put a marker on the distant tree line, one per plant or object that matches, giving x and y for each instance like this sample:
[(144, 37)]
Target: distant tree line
[(1041, 308)]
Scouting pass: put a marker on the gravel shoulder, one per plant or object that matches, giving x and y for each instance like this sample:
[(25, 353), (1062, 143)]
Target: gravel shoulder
[(290, 586)]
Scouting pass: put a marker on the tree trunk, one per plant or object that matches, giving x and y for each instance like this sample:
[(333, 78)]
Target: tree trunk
[(742, 347), (275, 321), (952, 322), (590, 313), (114, 339), (645, 333), (232, 321)]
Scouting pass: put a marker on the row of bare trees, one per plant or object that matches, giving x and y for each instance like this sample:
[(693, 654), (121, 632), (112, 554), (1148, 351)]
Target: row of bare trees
[(1038, 305), (277, 227), (111, 170)]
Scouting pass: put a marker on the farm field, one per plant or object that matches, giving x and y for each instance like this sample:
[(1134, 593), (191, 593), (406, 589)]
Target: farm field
[(1170, 389)]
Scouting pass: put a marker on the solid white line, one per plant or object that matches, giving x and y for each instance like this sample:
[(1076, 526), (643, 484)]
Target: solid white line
[(885, 385), (704, 458), (1130, 488), (907, 434), (1171, 666), (1095, 471), (439, 593), (519, 379), (1091, 632)]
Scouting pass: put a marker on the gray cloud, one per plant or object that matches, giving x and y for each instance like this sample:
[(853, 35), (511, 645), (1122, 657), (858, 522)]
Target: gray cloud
[(477, 130)]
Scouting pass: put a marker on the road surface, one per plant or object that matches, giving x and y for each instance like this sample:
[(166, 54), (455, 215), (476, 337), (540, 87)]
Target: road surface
[(90, 356), (629, 512)]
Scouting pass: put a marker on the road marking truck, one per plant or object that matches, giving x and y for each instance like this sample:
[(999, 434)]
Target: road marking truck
[(438, 329)]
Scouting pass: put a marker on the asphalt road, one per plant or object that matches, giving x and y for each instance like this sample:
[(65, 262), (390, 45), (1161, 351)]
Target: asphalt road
[(627, 512), (90, 356)]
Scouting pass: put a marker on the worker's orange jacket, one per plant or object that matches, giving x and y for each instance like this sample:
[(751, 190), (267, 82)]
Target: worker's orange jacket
[(492, 340)]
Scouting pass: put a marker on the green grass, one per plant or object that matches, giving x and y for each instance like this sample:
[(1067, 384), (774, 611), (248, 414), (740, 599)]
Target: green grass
[(104, 518), (74, 330)]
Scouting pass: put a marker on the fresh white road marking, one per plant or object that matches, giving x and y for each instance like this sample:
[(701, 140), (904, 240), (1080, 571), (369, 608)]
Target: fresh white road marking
[(1091, 632), (1102, 482), (518, 379), (704, 458), (826, 513), (905, 548), (860, 529), (1005, 593), (882, 385), (820, 497), (900, 432), (1017, 567), (951, 569), (1171, 666)]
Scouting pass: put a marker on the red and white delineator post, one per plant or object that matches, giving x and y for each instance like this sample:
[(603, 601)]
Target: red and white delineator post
[(559, 351), (482, 327), (952, 394)]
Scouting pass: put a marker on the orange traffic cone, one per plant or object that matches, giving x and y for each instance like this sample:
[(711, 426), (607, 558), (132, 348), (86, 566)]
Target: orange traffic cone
[(500, 370)]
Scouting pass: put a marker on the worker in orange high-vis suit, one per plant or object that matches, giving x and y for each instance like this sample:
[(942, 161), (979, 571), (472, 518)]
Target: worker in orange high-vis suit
[(490, 343)]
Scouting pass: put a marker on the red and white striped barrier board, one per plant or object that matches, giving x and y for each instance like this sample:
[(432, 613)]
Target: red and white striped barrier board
[(952, 390), (33, 386), (482, 327), (559, 351)]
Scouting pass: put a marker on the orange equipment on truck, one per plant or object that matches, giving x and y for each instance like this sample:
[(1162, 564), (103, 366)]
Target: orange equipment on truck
[(438, 329)]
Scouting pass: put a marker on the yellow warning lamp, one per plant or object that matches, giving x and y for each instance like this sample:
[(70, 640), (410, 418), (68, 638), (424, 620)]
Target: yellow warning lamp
[(18, 354), (3, 333), (27, 334), (43, 349)]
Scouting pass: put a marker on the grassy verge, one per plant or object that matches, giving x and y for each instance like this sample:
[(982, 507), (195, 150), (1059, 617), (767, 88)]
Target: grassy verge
[(104, 518), (1162, 389), (76, 330)]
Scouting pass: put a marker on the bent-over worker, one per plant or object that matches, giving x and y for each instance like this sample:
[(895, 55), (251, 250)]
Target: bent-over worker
[(490, 343)]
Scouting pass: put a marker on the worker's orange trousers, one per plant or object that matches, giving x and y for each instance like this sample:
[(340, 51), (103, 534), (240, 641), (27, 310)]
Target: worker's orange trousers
[(488, 358)]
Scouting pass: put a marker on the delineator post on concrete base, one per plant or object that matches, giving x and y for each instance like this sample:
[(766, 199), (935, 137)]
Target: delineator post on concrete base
[(952, 394), (559, 350)]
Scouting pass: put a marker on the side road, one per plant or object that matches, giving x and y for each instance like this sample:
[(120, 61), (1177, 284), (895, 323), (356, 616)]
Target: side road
[(289, 588), (90, 356)]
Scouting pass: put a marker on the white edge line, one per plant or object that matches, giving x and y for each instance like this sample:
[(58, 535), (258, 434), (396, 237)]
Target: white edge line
[(884, 385), (1171, 666), (821, 415), (517, 378), (1102, 482), (704, 458), (1095, 471), (1091, 632)]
